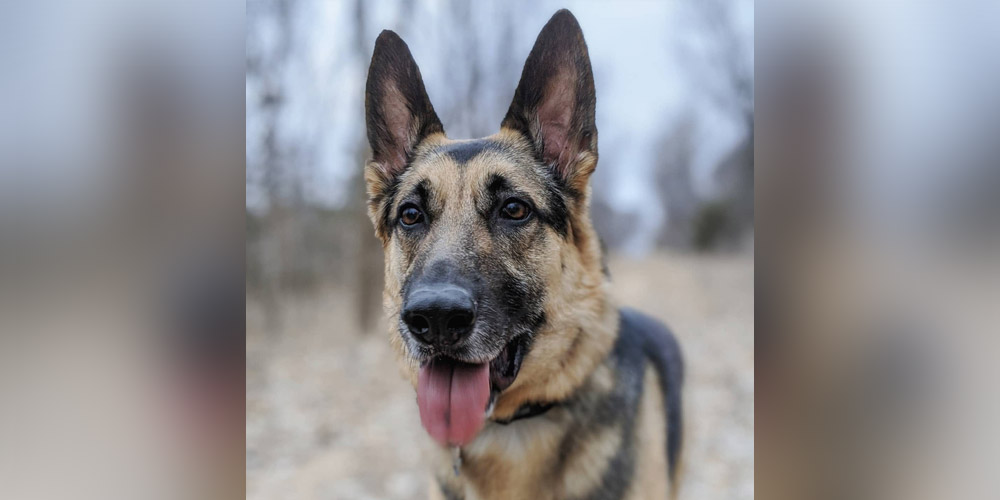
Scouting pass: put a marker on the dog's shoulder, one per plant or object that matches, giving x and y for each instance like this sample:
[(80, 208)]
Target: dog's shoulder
[(640, 334)]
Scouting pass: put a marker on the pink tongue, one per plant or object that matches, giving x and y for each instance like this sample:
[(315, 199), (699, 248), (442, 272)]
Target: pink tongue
[(452, 398)]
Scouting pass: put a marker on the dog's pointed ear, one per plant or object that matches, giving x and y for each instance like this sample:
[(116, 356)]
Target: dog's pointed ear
[(554, 102), (398, 112)]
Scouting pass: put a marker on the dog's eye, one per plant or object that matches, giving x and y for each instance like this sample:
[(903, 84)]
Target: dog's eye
[(410, 215), (514, 209)]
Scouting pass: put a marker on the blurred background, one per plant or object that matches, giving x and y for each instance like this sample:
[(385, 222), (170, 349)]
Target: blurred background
[(878, 202), (121, 250), (328, 414)]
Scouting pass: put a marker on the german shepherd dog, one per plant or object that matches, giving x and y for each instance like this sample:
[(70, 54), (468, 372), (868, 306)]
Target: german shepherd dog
[(531, 381)]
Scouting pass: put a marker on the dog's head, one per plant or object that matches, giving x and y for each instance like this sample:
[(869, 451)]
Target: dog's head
[(490, 253)]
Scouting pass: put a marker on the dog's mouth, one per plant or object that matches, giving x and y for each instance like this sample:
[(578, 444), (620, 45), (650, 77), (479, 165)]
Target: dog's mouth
[(505, 367), (454, 396)]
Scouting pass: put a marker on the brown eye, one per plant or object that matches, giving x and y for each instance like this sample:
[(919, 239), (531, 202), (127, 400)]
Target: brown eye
[(410, 215), (515, 210)]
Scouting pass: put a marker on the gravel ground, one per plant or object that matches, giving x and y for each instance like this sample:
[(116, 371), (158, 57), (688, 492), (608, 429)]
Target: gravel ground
[(329, 416)]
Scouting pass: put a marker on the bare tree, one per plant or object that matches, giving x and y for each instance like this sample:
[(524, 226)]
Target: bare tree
[(725, 74), (265, 68), (673, 181), (368, 278)]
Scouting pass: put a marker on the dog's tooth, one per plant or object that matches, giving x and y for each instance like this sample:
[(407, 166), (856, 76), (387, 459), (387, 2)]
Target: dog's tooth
[(456, 459), (491, 405)]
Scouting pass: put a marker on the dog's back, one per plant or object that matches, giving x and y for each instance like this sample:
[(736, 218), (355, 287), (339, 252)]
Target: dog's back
[(660, 416)]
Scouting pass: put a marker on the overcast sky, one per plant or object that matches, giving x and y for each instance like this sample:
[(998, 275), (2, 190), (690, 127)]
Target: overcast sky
[(648, 68)]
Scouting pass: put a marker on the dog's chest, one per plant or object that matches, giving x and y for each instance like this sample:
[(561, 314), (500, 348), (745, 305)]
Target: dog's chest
[(552, 456), (518, 460), (607, 442)]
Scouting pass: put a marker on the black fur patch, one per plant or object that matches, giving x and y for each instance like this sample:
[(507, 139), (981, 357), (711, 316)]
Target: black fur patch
[(557, 216), (423, 193), (522, 303), (495, 185), (618, 409), (462, 152), (622, 405), (388, 198)]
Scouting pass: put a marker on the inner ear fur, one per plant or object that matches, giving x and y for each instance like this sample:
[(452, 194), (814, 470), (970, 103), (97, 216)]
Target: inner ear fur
[(554, 104)]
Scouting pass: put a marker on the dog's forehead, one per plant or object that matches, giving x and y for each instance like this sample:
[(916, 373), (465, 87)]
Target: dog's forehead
[(469, 165), (461, 152)]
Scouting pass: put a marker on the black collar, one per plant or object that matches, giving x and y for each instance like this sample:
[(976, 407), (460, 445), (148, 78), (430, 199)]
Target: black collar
[(527, 411)]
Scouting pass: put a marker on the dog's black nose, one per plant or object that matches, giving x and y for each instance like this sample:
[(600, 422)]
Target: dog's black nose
[(441, 315)]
